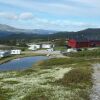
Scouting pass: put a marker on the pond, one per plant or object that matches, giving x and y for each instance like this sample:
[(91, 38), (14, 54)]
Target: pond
[(21, 63)]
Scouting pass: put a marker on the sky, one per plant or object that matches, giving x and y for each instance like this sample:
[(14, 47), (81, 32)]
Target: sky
[(60, 15)]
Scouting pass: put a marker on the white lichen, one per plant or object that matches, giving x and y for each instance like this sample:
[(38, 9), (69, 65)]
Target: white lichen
[(30, 83)]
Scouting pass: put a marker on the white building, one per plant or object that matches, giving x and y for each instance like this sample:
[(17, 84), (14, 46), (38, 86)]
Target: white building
[(16, 52), (50, 50), (47, 46), (34, 47), (4, 53)]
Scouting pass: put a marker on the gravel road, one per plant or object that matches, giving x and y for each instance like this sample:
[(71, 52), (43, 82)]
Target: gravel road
[(52, 54), (95, 93)]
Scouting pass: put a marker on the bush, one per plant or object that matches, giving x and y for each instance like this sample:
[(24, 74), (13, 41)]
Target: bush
[(59, 61), (76, 77), (92, 53)]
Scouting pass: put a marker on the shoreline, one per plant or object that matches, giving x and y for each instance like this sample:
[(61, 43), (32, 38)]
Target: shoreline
[(9, 58)]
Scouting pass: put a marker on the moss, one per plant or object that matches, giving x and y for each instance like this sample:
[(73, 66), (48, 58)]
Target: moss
[(5, 94), (11, 82), (25, 72), (76, 77), (39, 94), (77, 81), (59, 61)]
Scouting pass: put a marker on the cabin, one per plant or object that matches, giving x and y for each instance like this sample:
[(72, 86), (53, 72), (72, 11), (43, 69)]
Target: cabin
[(83, 43), (4, 53), (34, 47), (47, 46), (16, 52), (41, 45)]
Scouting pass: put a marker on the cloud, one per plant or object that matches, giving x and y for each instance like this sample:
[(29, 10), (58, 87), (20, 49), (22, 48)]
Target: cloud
[(54, 14), (26, 16), (60, 7), (8, 15), (21, 16), (66, 25), (28, 20)]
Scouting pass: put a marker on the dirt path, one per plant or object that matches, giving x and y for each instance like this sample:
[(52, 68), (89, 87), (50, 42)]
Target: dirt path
[(53, 54), (95, 93)]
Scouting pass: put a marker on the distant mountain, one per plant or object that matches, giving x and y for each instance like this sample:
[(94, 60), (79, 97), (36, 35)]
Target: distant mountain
[(42, 31), (91, 30), (90, 33), (8, 30)]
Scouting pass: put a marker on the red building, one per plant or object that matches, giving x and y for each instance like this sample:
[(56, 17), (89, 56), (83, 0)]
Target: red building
[(75, 43)]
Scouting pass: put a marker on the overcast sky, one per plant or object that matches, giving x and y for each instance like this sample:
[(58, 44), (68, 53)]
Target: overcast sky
[(66, 15)]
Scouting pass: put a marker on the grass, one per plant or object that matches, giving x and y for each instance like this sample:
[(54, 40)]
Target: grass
[(80, 77), (5, 93), (88, 54), (52, 79), (61, 48), (26, 72), (59, 61), (76, 77), (35, 85), (39, 94), (11, 82)]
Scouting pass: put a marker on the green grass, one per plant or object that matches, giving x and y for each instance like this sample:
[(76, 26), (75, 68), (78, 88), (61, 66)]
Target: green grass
[(60, 48), (77, 82), (77, 77), (5, 94), (59, 61), (39, 94), (92, 53), (80, 77), (11, 82), (26, 72)]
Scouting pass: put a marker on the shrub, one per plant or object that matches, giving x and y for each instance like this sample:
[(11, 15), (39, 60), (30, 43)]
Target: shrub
[(92, 53), (5, 94), (77, 77), (59, 61)]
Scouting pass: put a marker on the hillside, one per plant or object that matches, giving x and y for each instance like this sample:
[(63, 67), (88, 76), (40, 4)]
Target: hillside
[(10, 35), (9, 31), (90, 34), (6, 30)]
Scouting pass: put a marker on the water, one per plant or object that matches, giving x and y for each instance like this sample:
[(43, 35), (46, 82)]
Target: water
[(21, 63)]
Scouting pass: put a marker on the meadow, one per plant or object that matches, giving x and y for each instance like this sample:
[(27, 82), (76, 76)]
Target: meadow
[(67, 78), (53, 79)]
